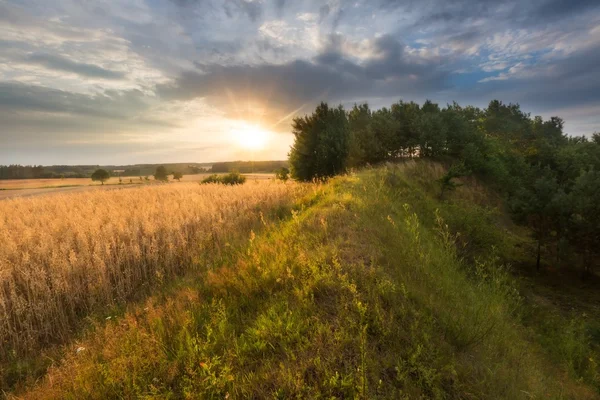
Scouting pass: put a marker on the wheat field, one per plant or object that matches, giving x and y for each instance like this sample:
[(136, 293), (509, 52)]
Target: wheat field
[(65, 256)]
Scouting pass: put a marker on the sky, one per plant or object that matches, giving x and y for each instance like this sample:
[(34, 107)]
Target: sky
[(156, 81)]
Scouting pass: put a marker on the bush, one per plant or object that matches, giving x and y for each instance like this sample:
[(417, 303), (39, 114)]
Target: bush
[(283, 174), (233, 178)]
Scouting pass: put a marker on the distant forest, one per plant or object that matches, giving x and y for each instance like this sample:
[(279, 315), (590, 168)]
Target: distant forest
[(85, 171), (246, 167)]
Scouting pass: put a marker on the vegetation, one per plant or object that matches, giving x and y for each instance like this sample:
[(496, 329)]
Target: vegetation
[(283, 174), (161, 174), (100, 175), (371, 287), (247, 167), (321, 144), (177, 176), (66, 257), (548, 179), (401, 281), (233, 178), (85, 171)]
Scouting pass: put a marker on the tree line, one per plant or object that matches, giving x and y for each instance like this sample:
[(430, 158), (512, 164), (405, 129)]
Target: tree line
[(551, 181)]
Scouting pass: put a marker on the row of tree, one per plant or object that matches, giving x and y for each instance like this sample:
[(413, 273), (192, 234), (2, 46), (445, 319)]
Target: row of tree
[(101, 175), (551, 180)]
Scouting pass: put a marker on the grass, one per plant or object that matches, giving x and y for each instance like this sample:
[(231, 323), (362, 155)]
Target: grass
[(16, 184), (368, 288), (64, 258)]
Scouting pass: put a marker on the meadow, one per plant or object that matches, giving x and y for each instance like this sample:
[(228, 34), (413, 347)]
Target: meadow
[(368, 286), (64, 257)]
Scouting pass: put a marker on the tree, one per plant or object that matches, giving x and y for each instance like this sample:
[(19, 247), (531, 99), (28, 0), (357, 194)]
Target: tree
[(584, 227), (161, 174), (321, 143), (177, 176), (100, 175), (283, 174), (538, 205)]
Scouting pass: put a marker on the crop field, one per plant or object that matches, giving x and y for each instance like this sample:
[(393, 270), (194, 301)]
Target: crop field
[(33, 187), (64, 256)]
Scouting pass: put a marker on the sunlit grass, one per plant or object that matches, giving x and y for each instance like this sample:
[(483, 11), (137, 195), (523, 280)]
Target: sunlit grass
[(64, 256), (362, 291)]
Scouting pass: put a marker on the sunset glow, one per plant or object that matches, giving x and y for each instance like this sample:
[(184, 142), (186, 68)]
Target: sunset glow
[(251, 137)]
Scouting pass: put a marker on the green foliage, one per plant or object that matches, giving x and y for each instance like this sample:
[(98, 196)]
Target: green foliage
[(233, 178), (528, 160), (360, 292), (161, 174), (321, 144), (584, 226), (177, 176), (447, 182), (283, 174), (100, 175), (213, 178)]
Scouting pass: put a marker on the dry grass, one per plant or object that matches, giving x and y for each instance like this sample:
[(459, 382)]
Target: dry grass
[(65, 256), (17, 184)]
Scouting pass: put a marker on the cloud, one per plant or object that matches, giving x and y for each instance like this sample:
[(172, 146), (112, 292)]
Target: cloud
[(271, 92), (183, 71), (82, 69)]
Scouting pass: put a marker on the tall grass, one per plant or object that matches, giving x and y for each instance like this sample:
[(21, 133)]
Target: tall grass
[(361, 293), (64, 256)]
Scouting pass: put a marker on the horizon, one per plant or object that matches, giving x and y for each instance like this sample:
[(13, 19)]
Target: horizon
[(122, 82), (145, 163)]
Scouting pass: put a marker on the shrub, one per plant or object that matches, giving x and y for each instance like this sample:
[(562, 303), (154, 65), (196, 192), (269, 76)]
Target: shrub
[(214, 178), (283, 174), (233, 178)]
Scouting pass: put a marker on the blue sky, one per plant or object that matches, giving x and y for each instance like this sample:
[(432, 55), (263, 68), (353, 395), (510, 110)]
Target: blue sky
[(130, 81)]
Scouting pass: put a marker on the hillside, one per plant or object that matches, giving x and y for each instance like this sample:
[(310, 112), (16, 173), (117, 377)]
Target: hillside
[(371, 287)]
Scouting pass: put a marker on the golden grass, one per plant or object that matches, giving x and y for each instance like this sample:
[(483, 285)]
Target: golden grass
[(16, 184), (64, 256)]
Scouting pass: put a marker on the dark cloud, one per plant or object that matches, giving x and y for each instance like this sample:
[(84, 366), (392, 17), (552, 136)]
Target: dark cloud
[(572, 80), (112, 104), (64, 64), (553, 9), (253, 9), (239, 90)]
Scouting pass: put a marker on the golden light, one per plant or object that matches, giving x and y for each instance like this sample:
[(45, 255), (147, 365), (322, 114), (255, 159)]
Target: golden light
[(251, 137)]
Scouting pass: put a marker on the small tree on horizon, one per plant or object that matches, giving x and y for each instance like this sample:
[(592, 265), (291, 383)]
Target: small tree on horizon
[(161, 174), (177, 176), (100, 175)]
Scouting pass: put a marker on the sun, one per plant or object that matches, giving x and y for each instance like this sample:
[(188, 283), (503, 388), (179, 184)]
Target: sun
[(251, 137)]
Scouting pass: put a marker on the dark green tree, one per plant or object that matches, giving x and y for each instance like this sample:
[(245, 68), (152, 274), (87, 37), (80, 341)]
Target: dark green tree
[(100, 175), (321, 144), (161, 174), (538, 206), (177, 176), (584, 227)]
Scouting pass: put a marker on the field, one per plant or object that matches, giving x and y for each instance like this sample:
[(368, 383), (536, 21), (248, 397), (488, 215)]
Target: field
[(368, 286), (34, 187), (63, 257)]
